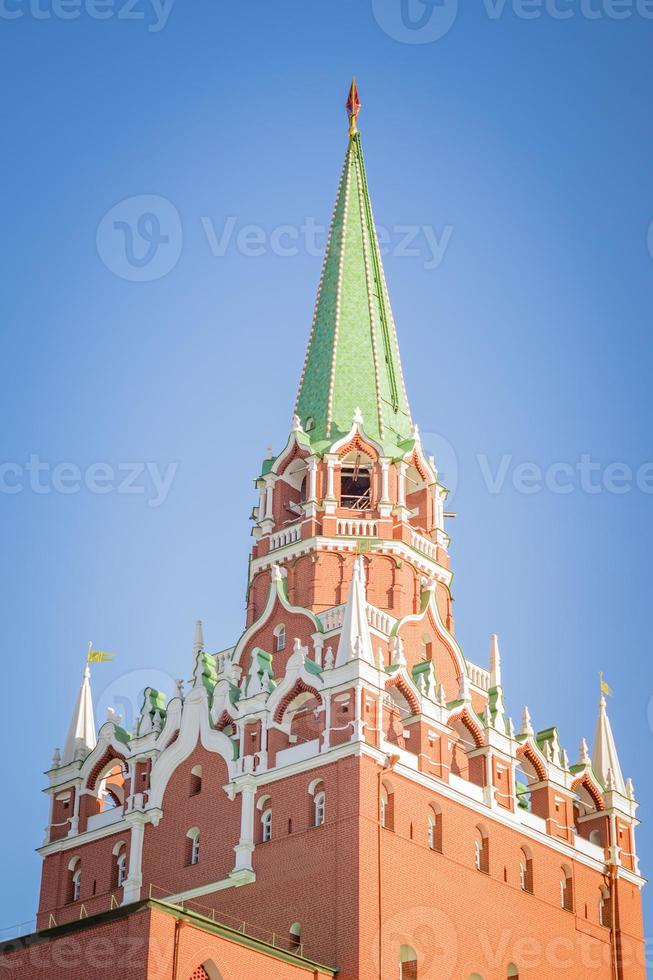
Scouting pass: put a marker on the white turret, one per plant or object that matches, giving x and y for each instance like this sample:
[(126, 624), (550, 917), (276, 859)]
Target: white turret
[(198, 642), (495, 662), (605, 760), (355, 641), (82, 737)]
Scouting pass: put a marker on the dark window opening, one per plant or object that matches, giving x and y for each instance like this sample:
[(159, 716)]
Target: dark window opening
[(355, 487)]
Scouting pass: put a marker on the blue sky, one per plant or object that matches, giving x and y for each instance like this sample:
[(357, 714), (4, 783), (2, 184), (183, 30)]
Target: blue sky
[(520, 146)]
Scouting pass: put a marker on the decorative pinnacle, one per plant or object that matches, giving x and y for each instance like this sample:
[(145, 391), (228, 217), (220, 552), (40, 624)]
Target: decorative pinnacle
[(495, 661), (353, 108), (584, 758)]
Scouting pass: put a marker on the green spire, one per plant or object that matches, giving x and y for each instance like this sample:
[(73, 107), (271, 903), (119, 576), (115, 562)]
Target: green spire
[(352, 359)]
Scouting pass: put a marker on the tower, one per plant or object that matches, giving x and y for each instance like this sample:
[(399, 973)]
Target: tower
[(343, 789)]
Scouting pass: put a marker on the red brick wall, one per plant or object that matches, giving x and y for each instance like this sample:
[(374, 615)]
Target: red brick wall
[(98, 865), (141, 946), (166, 848)]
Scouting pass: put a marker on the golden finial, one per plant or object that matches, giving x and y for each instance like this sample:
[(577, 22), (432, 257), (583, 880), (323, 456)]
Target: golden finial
[(353, 108)]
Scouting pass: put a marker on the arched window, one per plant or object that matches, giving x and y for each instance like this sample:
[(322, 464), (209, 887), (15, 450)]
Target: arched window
[(280, 638), (120, 864), (319, 807), (266, 825), (526, 871), (193, 837), (208, 971), (407, 963), (195, 780), (566, 889), (75, 889), (475, 976), (111, 786), (296, 936), (605, 908), (482, 850), (513, 972), (387, 807), (595, 837), (435, 828)]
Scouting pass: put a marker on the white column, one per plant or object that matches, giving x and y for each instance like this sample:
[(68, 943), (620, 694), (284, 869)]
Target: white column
[(74, 820), (401, 489), (245, 847), (331, 463), (318, 645), (385, 481), (385, 504), (134, 883), (312, 479), (326, 740), (358, 714), (269, 489), (330, 501)]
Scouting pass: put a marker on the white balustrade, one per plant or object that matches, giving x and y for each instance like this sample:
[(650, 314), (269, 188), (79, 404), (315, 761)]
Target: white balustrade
[(356, 528), (289, 535), (378, 620), (478, 676), (423, 545)]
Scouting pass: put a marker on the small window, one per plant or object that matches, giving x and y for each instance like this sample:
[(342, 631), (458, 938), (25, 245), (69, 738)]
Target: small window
[(319, 808), (605, 908), (526, 871), (407, 963), (266, 825), (194, 846), (76, 890), (195, 780), (386, 808), (121, 863), (513, 972), (279, 639), (435, 829), (295, 936), (566, 889), (481, 851), (310, 424)]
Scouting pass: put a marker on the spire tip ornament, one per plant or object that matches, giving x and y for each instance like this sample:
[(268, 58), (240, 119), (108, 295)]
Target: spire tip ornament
[(353, 108)]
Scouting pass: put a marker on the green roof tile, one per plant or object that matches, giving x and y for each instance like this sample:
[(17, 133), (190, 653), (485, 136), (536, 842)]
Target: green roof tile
[(353, 359)]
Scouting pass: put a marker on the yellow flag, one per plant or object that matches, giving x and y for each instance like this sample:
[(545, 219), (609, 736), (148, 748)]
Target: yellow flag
[(97, 656), (605, 688)]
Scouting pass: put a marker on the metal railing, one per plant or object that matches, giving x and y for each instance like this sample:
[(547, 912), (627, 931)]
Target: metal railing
[(220, 918), (77, 911)]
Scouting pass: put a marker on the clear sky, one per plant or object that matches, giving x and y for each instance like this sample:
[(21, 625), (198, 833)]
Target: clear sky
[(509, 159)]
